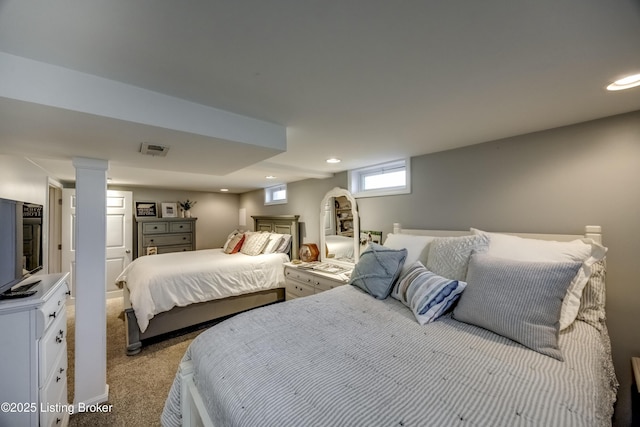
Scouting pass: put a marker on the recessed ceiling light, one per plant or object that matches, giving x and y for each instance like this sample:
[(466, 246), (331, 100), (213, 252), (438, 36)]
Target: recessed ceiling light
[(224, 190), (270, 177), (625, 83), (333, 160)]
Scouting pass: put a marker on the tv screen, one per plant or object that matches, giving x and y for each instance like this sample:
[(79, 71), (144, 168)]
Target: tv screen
[(20, 241)]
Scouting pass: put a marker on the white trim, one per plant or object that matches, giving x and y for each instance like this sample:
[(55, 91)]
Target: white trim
[(355, 177), (270, 191)]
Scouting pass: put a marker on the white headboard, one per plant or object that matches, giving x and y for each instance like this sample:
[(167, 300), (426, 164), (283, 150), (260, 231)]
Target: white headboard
[(590, 231)]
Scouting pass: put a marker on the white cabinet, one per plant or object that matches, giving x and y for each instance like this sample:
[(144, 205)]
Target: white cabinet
[(33, 355), (302, 282)]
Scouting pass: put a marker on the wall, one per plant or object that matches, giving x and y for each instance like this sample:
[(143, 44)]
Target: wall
[(217, 213), (555, 181), (304, 199), (22, 180)]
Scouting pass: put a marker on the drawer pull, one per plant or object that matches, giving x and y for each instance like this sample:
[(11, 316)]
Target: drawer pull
[(61, 333), (58, 340), (61, 370), (58, 420), (53, 315), (68, 293), (155, 228), (58, 379)]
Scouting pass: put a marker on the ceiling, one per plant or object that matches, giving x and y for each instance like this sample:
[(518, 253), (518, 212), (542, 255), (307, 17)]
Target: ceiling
[(365, 81)]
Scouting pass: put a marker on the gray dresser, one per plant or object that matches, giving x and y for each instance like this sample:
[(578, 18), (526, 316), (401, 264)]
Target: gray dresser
[(165, 234)]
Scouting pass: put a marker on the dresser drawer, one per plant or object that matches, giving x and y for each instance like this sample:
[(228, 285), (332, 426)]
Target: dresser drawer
[(299, 289), (300, 276), (178, 248), (54, 306), (177, 227), (171, 239), (155, 228), (52, 344), (325, 285), (54, 394)]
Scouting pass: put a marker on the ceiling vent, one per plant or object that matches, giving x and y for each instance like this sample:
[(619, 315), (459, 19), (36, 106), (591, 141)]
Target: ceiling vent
[(154, 149)]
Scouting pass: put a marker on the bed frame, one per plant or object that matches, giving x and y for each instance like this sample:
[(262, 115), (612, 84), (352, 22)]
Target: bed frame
[(195, 314), (194, 412)]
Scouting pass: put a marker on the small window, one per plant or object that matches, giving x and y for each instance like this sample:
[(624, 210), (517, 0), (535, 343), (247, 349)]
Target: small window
[(275, 195), (381, 180)]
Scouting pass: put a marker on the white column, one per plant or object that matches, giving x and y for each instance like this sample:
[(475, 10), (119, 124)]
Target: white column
[(90, 281)]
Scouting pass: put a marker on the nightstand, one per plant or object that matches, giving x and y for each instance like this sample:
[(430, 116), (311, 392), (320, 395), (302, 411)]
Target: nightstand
[(302, 281)]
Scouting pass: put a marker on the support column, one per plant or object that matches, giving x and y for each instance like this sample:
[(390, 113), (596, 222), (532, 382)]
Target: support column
[(90, 281)]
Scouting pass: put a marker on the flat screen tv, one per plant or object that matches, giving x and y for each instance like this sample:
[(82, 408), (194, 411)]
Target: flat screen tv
[(20, 241)]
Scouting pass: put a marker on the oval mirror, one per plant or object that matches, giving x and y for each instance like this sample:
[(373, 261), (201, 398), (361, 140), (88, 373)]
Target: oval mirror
[(339, 228)]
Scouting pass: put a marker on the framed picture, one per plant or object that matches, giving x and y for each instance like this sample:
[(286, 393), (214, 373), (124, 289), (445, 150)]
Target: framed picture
[(368, 236), (170, 210), (146, 209)]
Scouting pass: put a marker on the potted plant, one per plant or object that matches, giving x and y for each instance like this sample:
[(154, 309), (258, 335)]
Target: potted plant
[(186, 207)]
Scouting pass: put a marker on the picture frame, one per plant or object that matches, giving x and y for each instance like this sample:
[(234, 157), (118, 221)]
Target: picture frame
[(169, 210), (146, 209)]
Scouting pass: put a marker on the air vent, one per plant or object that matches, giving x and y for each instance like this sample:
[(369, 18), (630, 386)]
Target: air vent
[(154, 149)]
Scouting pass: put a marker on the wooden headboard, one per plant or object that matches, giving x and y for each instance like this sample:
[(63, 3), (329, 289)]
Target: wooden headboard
[(283, 224)]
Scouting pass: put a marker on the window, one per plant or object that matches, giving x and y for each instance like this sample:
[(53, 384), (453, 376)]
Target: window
[(275, 195), (381, 180)]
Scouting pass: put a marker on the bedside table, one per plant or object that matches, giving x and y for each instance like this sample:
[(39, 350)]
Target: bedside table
[(301, 281)]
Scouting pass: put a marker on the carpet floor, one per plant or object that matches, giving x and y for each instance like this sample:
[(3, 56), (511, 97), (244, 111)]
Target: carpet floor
[(138, 385)]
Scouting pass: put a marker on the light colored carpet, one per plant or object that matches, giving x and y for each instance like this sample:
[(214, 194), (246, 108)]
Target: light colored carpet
[(138, 385)]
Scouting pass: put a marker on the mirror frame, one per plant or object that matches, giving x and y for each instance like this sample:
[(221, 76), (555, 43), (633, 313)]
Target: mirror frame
[(337, 192)]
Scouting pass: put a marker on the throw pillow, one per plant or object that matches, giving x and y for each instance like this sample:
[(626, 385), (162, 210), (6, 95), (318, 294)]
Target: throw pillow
[(378, 269), (449, 256), (519, 300), (425, 293)]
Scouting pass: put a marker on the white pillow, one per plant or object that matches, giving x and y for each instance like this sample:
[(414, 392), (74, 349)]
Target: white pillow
[(416, 246), (254, 243), (285, 244), (272, 243), (229, 237), (524, 249)]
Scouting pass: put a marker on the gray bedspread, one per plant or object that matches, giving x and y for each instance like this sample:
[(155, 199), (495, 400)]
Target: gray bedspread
[(343, 358)]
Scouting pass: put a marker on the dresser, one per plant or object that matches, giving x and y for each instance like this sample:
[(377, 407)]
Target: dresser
[(33, 365), (165, 234), (301, 282)]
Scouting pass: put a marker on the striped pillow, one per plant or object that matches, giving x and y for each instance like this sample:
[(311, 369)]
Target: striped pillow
[(520, 300), (425, 293)]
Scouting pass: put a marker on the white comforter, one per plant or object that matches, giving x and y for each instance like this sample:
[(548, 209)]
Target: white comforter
[(157, 283)]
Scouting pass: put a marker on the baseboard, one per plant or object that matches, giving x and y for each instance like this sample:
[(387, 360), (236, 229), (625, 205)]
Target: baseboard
[(96, 400)]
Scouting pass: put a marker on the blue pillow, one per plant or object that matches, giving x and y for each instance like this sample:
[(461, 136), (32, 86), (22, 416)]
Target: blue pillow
[(378, 269), (427, 294)]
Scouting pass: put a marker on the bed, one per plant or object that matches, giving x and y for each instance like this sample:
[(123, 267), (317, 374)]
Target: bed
[(340, 247), (168, 292), (344, 357)]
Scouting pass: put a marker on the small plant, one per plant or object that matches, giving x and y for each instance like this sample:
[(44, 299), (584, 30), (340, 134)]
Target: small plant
[(186, 205)]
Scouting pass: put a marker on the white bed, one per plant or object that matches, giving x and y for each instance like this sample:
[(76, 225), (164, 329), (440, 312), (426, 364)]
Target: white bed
[(167, 292), (159, 283), (343, 357)]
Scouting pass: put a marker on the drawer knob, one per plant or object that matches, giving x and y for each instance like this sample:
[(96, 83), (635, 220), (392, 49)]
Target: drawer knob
[(58, 379), (68, 293), (58, 420), (155, 228), (61, 333), (58, 340), (53, 315), (61, 370)]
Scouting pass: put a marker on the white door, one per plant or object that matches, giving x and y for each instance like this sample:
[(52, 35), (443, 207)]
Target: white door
[(118, 235)]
